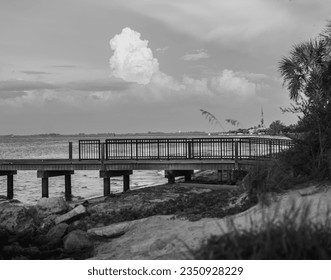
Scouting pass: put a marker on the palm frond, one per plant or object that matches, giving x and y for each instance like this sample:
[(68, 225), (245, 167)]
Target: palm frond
[(300, 69), (211, 118), (233, 122)]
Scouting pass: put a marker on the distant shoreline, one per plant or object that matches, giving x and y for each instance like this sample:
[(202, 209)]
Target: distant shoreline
[(106, 134), (140, 134)]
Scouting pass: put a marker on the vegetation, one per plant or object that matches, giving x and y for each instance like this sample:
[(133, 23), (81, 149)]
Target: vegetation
[(276, 127), (213, 120), (307, 76), (277, 240), (306, 73), (274, 177), (213, 204)]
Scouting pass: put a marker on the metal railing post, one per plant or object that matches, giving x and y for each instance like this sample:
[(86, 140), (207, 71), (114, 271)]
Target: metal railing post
[(189, 148), (79, 150), (70, 150), (236, 156), (102, 159)]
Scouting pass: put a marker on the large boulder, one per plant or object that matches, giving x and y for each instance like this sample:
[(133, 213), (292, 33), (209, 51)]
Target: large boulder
[(17, 219), (51, 205), (77, 240), (57, 232), (111, 231)]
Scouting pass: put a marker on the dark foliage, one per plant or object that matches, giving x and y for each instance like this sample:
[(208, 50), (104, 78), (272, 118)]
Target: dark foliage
[(307, 76), (277, 241)]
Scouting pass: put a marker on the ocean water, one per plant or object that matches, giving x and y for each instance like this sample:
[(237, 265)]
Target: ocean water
[(85, 184)]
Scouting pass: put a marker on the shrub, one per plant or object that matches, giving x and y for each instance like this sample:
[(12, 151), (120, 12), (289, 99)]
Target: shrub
[(275, 176), (290, 238)]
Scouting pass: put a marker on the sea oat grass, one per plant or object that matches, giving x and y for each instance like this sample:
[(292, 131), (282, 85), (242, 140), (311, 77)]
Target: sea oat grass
[(293, 236)]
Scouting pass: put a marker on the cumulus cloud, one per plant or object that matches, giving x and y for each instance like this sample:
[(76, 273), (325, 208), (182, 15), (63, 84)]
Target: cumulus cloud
[(227, 83), (230, 82), (132, 60), (195, 55)]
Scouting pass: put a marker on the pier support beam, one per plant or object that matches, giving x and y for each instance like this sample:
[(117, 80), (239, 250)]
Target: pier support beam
[(44, 187), (107, 174), (44, 175), (67, 187), (106, 186), (126, 183), (10, 182), (172, 174)]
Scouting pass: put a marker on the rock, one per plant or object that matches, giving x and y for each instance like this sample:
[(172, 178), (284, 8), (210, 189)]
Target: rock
[(12, 251), (31, 252), (111, 230), (17, 219), (77, 240), (4, 236), (47, 223), (72, 215), (56, 232), (51, 205)]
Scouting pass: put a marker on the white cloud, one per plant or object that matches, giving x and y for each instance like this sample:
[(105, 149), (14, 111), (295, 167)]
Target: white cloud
[(230, 23), (162, 50), (216, 20), (233, 83), (164, 81), (195, 55), (197, 85), (228, 83), (132, 60)]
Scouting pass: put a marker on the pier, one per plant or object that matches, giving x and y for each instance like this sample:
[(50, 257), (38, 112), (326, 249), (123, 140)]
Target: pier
[(176, 156)]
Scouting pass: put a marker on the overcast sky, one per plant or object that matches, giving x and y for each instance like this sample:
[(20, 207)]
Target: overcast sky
[(70, 66)]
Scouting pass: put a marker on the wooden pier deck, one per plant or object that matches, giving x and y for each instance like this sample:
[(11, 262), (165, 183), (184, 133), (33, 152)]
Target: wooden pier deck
[(111, 165), (120, 157)]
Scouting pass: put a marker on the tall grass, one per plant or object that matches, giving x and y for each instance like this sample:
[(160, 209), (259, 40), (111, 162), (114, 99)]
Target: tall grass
[(275, 176), (293, 237)]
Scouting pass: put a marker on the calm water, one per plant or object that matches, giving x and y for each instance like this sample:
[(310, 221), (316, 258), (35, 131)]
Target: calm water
[(85, 184)]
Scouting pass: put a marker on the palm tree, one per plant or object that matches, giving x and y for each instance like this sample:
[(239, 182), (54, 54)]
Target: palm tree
[(307, 75), (302, 70)]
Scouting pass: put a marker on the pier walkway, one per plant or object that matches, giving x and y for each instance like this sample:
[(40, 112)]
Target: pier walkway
[(177, 156)]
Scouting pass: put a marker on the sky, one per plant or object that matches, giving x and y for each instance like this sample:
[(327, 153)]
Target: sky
[(95, 66)]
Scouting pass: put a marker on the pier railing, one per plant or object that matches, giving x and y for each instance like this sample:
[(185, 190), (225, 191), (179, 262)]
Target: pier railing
[(235, 148), (89, 149)]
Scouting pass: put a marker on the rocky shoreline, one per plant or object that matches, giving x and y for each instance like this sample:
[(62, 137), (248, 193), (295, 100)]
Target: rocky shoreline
[(55, 229)]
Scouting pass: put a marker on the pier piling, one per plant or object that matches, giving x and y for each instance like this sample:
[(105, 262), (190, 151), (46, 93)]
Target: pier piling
[(126, 183), (10, 186), (67, 184), (44, 187), (107, 174), (44, 175), (10, 182), (106, 186), (172, 174)]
